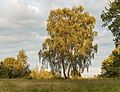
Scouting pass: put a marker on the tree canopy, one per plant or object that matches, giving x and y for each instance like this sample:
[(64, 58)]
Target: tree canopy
[(70, 43), (111, 19)]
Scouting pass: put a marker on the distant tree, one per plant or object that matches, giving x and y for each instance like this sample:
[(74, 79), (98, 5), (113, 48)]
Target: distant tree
[(70, 45), (14, 68), (23, 63), (111, 66), (22, 57), (111, 19)]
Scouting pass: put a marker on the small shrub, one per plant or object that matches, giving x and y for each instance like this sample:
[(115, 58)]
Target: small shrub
[(42, 74)]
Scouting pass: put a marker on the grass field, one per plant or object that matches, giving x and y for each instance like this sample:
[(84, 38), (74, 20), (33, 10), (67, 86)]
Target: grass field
[(83, 85)]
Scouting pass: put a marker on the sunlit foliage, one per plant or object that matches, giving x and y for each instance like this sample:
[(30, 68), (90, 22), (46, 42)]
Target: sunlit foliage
[(42, 74)]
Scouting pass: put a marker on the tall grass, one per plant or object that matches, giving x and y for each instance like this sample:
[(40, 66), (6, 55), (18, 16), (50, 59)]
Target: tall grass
[(83, 85)]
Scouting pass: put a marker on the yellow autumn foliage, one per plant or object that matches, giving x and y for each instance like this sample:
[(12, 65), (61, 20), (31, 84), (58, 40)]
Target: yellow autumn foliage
[(111, 65), (42, 74)]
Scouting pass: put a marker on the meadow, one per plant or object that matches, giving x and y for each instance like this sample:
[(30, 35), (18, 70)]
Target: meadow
[(60, 85)]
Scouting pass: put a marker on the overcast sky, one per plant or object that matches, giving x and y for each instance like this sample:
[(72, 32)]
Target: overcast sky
[(23, 26)]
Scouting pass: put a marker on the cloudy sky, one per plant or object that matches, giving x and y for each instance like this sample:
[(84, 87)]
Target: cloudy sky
[(23, 26)]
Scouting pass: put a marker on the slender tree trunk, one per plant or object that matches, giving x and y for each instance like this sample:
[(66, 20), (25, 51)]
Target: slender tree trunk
[(52, 68), (79, 74), (69, 70), (64, 69), (74, 69), (79, 71)]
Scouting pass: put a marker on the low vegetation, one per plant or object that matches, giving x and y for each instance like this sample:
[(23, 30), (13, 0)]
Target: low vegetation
[(42, 74), (83, 85)]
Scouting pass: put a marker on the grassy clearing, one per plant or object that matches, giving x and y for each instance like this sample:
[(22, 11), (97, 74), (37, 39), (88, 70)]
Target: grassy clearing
[(83, 85)]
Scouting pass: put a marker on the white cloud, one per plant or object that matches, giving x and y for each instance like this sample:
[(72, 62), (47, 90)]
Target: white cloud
[(36, 9), (18, 15)]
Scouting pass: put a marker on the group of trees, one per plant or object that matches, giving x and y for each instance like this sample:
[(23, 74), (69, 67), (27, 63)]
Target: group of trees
[(69, 46), (15, 67)]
